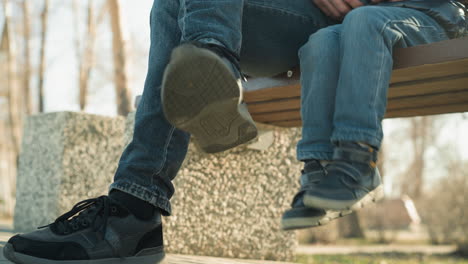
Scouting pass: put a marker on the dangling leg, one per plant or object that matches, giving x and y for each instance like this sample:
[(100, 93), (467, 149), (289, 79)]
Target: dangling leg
[(367, 41)]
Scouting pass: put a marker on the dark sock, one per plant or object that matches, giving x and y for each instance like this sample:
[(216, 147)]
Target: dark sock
[(139, 208)]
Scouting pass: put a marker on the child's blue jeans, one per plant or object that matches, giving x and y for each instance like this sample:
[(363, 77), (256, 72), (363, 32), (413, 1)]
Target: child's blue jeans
[(345, 74)]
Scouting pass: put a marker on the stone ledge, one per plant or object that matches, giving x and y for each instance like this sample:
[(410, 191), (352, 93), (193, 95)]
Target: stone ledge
[(226, 205), (65, 158)]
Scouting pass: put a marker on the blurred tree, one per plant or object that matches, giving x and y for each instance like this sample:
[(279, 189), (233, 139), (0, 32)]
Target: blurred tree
[(381, 161), (42, 53), (350, 226), (422, 133), (27, 100), (120, 54), (12, 77), (85, 46), (10, 114), (84, 55)]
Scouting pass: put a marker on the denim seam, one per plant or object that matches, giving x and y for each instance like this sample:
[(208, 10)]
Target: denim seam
[(283, 11), (384, 26), (139, 166), (381, 31), (183, 8), (315, 153), (353, 132), (381, 58), (166, 146)]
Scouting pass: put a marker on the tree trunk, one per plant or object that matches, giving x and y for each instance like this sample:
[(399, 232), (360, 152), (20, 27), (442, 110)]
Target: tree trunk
[(380, 162), (27, 101), (42, 53), (350, 226), (12, 78), (419, 140), (13, 119), (85, 53), (123, 93), (421, 134)]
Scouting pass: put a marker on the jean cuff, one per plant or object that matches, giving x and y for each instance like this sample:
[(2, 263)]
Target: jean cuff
[(317, 155), (315, 151), (216, 42), (150, 195), (355, 135)]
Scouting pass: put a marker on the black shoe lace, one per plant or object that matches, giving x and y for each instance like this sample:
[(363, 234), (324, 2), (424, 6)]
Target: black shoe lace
[(223, 52), (92, 212)]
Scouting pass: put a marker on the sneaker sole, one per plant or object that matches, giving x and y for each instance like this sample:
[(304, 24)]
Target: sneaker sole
[(372, 197), (308, 222), (19, 258), (201, 96)]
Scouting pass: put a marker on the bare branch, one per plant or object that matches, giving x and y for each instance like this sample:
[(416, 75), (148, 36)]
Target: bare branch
[(119, 44), (42, 57), (27, 58)]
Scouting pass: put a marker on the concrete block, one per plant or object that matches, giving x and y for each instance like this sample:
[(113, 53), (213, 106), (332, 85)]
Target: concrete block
[(66, 157), (230, 204), (226, 205)]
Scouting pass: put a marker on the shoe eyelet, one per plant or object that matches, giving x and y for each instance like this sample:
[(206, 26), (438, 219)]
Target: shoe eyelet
[(114, 209), (75, 227)]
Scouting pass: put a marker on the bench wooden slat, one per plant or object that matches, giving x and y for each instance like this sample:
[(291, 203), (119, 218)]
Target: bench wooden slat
[(429, 75), (430, 71), (273, 102), (275, 106), (439, 52), (449, 92), (429, 79), (290, 123), (424, 111), (446, 84), (401, 107), (278, 116), (433, 110), (428, 100), (277, 92)]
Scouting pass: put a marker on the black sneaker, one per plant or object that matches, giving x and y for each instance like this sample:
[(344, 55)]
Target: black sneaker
[(202, 94), (353, 180), (103, 232), (301, 216)]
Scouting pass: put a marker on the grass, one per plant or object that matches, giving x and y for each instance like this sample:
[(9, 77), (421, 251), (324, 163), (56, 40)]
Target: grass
[(391, 258)]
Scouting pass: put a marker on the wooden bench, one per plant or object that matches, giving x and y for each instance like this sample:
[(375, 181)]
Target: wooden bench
[(427, 80)]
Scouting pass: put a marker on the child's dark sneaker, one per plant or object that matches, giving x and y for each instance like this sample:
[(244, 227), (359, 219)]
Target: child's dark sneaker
[(300, 216), (353, 180), (202, 94), (95, 231)]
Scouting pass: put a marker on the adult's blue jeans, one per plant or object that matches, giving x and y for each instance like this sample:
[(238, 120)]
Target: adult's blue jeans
[(345, 73)]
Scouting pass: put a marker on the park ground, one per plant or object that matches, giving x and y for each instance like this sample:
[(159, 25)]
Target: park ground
[(342, 252)]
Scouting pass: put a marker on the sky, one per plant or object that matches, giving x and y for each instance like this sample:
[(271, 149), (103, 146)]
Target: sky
[(61, 78), (62, 70)]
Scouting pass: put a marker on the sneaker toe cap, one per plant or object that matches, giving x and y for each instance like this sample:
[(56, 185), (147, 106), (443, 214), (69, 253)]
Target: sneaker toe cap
[(48, 250)]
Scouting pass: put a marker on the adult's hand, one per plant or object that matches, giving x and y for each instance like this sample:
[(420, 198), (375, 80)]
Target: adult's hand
[(337, 9)]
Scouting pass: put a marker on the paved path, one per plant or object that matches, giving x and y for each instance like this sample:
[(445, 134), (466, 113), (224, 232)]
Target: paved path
[(5, 233), (374, 249)]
